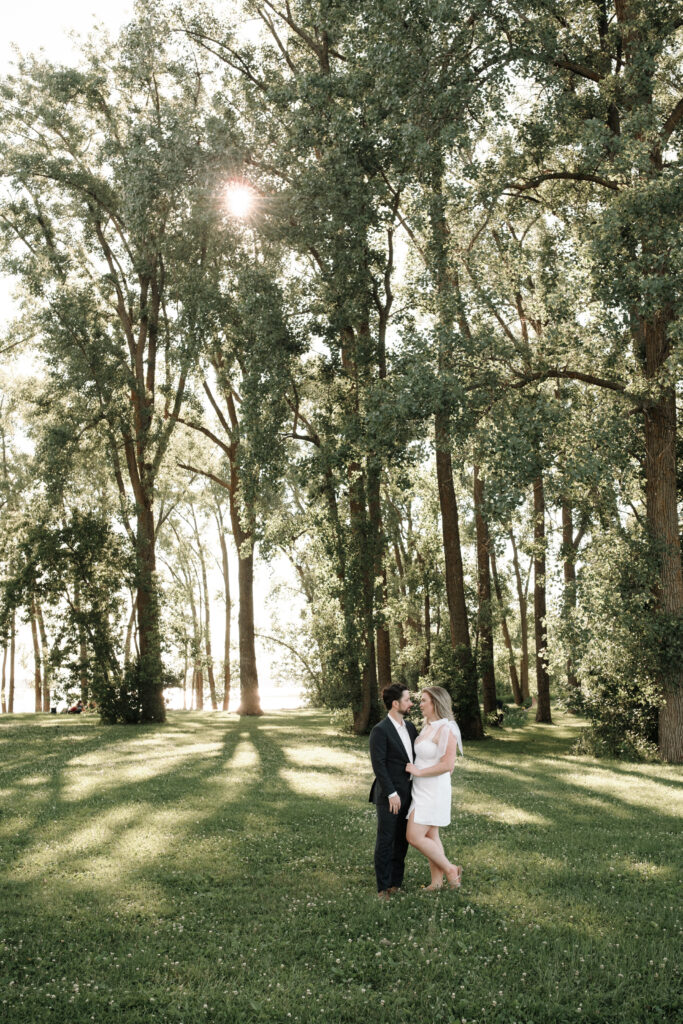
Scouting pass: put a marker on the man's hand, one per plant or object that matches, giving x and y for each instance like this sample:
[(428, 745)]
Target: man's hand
[(394, 804)]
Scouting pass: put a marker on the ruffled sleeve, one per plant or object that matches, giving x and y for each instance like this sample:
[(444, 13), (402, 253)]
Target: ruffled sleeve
[(445, 729)]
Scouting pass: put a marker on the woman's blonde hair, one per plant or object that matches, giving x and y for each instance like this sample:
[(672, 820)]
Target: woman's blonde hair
[(441, 700)]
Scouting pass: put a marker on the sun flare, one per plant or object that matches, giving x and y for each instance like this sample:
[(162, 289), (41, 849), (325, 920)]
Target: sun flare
[(239, 199)]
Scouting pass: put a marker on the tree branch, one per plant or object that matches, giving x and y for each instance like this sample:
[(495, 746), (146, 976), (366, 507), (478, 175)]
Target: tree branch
[(532, 183), (672, 121)]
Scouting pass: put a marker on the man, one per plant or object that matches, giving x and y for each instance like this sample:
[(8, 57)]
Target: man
[(391, 748)]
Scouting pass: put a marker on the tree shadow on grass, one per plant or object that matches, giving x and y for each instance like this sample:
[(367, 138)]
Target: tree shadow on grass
[(238, 852), (194, 781)]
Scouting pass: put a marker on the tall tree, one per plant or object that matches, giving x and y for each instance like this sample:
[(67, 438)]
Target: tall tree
[(606, 155), (105, 163), (485, 625)]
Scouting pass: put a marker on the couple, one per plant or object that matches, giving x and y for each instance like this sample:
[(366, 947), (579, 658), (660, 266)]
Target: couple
[(412, 787)]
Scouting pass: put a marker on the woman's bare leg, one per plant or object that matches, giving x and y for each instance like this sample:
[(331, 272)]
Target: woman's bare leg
[(436, 872), (432, 850)]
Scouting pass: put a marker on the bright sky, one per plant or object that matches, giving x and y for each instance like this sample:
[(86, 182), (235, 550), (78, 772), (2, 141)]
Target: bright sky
[(32, 25), (35, 24)]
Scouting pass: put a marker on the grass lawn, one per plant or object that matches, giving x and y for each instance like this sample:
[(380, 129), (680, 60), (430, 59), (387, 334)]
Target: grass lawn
[(220, 870)]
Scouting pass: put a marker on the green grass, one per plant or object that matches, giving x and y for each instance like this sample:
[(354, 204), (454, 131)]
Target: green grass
[(221, 870)]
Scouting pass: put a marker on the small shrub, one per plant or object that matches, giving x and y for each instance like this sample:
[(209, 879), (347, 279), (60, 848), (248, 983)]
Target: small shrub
[(630, 746), (341, 720), (119, 699)]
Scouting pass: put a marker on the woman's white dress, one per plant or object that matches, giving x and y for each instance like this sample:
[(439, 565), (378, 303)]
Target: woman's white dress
[(431, 803)]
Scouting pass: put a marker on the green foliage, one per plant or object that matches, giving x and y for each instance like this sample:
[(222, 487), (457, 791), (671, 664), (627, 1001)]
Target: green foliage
[(527, 157), (445, 671), (120, 698), (624, 645), (79, 567)]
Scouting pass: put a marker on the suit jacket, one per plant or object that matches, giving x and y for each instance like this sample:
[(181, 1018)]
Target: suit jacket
[(388, 756)]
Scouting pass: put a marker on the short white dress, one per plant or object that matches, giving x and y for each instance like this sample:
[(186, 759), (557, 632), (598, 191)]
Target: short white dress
[(431, 803)]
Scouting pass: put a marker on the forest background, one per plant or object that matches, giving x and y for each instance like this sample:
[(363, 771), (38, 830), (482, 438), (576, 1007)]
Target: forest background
[(390, 293)]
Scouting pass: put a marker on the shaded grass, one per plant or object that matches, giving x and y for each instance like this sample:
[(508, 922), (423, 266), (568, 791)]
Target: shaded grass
[(219, 869)]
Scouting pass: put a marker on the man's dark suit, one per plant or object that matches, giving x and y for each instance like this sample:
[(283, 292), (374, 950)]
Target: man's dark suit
[(388, 756)]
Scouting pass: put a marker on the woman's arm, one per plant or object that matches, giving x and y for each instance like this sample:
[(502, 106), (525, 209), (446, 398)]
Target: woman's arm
[(446, 764)]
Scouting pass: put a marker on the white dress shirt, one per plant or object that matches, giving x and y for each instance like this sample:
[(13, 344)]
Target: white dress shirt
[(405, 740)]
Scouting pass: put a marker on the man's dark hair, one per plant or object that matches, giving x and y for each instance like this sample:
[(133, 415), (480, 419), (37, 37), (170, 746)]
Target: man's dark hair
[(392, 693)]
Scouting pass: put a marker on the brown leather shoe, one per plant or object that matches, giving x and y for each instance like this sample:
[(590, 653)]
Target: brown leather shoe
[(383, 895)]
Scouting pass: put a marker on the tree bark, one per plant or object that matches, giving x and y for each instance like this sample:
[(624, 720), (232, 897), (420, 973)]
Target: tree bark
[(250, 702), (569, 567), (129, 630), (3, 694), (37, 675), (523, 621), (361, 564), (83, 649), (152, 693), (12, 660), (382, 637), (540, 628), (486, 657), (228, 611), (512, 665), (427, 659), (45, 657), (185, 667), (199, 687), (470, 715), (662, 517), (196, 645), (207, 624)]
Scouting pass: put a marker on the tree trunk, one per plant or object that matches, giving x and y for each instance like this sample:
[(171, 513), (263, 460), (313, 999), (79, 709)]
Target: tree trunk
[(362, 565), (523, 622), (196, 644), (83, 649), (540, 628), (228, 614), (382, 638), (401, 628), (250, 702), (129, 631), (12, 659), (199, 664), (662, 517), (486, 660), (207, 625), (3, 696), (512, 665), (185, 667), (198, 687), (37, 676), (469, 714), (151, 683), (569, 565), (427, 659), (45, 657)]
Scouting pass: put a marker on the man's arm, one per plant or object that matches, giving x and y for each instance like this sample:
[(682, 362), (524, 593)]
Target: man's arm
[(378, 756)]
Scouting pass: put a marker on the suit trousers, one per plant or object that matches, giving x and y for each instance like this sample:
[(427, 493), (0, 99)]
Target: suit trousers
[(391, 845)]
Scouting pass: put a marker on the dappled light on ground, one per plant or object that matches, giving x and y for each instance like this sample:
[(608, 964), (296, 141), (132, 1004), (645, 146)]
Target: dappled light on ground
[(220, 869)]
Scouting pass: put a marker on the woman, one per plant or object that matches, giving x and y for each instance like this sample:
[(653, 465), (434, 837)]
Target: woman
[(436, 749)]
